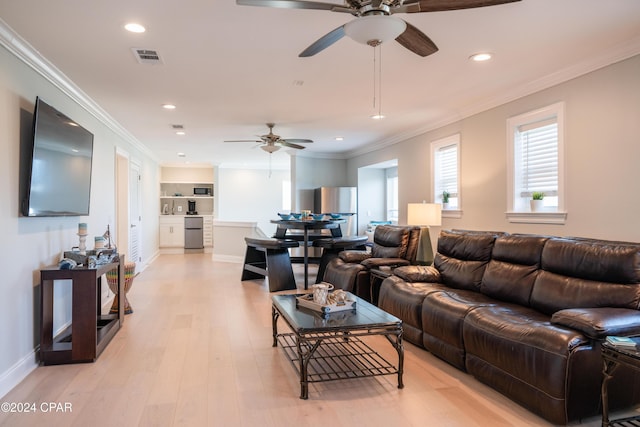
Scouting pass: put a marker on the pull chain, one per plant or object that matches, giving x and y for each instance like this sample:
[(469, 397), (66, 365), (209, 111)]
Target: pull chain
[(377, 81)]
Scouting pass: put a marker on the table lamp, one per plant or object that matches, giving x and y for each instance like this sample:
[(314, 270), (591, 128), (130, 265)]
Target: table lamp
[(424, 215)]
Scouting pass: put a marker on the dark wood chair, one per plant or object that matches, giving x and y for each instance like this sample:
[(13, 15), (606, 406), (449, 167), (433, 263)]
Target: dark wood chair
[(266, 257)]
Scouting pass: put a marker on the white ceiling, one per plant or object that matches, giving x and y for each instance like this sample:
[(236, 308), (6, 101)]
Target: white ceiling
[(230, 69)]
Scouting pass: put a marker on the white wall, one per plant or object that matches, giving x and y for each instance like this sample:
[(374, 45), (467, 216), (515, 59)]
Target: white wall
[(372, 185), (310, 173), (601, 150), (250, 195), (29, 244)]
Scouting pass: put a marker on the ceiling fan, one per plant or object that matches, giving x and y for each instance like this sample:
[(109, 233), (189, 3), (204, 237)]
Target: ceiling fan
[(272, 142), (374, 24)]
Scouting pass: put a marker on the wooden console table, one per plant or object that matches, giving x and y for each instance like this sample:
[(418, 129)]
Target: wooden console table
[(90, 331)]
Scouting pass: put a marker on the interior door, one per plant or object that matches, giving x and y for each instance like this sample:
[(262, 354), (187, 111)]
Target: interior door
[(134, 212)]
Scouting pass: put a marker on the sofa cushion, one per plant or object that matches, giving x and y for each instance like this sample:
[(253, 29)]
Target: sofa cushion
[(443, 316), (517, 351), (597, 323), (513, 267), (354, 255), (592, 259), (418, 273), (342, 274), (383, 262), (390, 242), (462, 258), (586, 273), (404, 300)]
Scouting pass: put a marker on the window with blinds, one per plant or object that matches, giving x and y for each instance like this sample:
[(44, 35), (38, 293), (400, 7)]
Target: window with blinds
[(535, 158), (445, 155)]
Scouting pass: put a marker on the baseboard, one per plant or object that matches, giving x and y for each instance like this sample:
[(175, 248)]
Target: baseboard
[(151, 259), (18, 372)]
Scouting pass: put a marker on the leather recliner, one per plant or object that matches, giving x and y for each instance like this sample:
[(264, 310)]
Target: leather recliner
[(393, 246)]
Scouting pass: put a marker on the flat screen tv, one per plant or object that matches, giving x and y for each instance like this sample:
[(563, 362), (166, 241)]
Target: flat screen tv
[(60, 168)]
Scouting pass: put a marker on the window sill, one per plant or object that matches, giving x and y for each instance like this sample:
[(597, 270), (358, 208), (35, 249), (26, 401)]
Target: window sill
[(451, 213), (537, 217)]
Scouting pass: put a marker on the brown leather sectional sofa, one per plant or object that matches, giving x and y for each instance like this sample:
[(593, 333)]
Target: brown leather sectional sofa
[(526, 315)]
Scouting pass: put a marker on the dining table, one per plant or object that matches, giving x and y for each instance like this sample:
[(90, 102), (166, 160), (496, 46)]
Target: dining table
[(285, 225)]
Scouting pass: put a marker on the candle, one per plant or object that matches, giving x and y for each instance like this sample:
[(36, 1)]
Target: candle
[(82, 228), (99, 242)]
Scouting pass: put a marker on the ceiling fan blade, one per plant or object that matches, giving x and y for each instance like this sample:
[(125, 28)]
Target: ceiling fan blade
[(242, 140), (442, 5), (290, 145), (417, 41), (323, 42), (299, 141), (295, 4)]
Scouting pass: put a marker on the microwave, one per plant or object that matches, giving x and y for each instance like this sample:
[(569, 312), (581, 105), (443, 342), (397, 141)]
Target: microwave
[(201, 191)]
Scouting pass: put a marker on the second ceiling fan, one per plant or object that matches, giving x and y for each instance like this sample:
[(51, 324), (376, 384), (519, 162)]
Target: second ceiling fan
[(272, 142), (374, 24)]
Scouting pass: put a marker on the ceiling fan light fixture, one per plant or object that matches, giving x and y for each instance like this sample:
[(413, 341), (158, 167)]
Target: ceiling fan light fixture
[(375, 29), (270, 148)]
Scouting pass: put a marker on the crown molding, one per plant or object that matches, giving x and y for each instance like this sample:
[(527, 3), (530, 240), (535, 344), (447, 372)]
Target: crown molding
[(26, 53), (613, 55)]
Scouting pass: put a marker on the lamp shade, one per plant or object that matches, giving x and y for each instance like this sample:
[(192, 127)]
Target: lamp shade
[(376, 28), (270, 148), (424, 214)]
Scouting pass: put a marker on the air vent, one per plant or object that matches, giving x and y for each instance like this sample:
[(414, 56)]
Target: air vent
[(147, 56), (177, 127)]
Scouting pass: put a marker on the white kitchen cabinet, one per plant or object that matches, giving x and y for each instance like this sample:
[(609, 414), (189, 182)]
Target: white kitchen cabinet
[(171, 231)]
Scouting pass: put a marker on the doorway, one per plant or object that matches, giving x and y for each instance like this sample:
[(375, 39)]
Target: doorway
[(377, 194), (128, 219)]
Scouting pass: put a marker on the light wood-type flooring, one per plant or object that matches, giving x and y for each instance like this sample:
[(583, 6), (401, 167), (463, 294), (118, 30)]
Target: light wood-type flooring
[(197, 352)]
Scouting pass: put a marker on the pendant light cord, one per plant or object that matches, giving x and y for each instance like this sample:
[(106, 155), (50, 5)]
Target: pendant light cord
[(377, 79)]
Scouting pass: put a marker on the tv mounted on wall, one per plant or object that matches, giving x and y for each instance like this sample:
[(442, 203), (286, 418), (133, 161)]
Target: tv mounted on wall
[(60, 168)]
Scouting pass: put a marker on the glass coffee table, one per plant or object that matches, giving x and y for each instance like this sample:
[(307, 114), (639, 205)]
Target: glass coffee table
[(328, 347)]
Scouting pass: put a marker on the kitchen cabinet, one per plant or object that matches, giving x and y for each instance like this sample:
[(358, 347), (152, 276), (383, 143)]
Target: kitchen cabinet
[(171, 231)]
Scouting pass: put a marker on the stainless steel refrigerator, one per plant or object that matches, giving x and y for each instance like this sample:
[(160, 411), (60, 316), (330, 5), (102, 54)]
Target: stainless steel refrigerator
[(193, 238), (339, 200)]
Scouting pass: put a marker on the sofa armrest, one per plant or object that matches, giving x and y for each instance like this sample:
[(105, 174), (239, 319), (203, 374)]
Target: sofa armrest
[(354, 256), (384, 262), (597, 323), (418, 273)]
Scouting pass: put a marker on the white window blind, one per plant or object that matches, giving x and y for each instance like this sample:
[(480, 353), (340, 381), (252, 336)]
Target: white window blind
[(447, 170), (538, 157)]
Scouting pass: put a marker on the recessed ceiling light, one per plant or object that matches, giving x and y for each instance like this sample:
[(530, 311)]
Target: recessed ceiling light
[(134, 28), (182, 155), (168, 106), (377, 117), (181, 132), (339, 138), (480, 57)]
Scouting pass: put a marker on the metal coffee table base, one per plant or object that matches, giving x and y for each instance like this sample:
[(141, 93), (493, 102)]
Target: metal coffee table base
[(338, 355)]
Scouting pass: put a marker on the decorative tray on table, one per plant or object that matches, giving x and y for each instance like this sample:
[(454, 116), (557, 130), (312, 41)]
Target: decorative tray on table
[(332, 306)]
